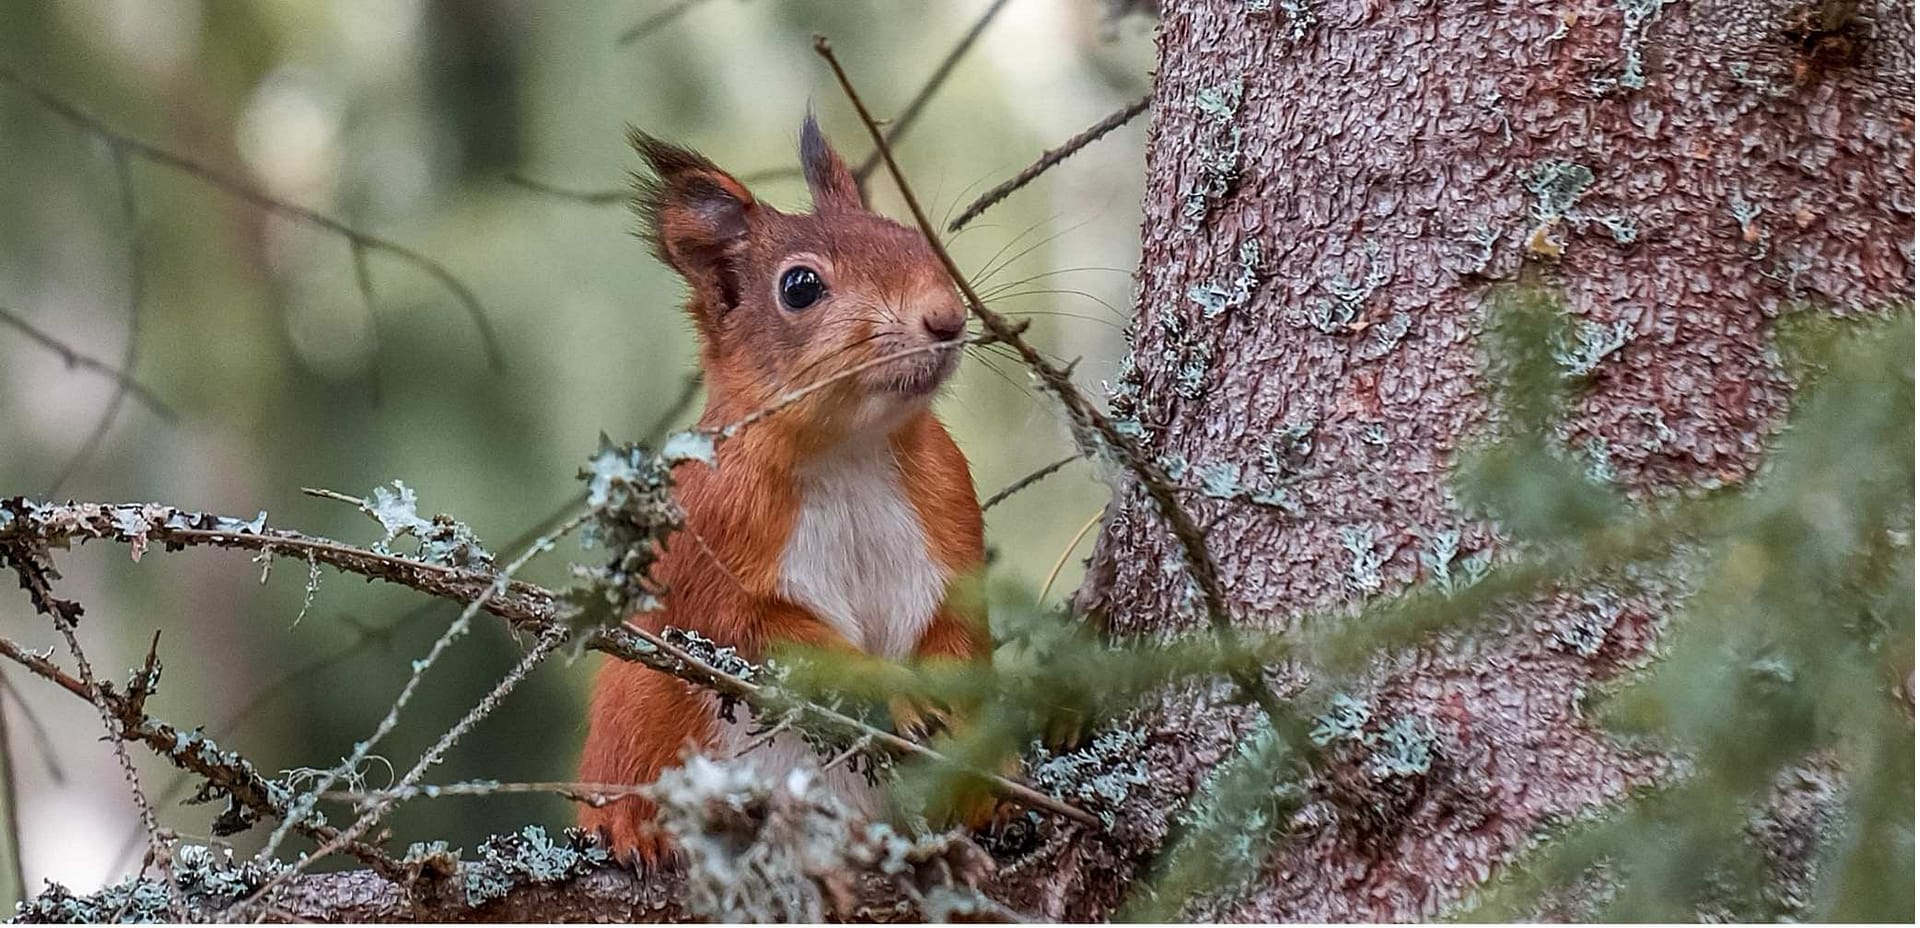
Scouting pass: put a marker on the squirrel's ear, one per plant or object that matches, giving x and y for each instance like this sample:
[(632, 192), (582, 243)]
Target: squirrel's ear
[(694, 214), (832, 184)]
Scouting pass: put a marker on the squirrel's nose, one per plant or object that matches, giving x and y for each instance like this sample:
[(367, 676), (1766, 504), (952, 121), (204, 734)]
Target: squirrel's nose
[(944, 327)]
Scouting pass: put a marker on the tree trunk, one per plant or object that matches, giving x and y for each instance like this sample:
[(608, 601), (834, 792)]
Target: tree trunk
[(1333, 190)]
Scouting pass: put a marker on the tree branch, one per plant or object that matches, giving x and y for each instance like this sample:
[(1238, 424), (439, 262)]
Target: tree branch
[(524, 606), (1048, 160)]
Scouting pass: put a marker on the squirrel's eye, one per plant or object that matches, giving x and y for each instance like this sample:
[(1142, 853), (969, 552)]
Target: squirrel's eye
[(801, 287)]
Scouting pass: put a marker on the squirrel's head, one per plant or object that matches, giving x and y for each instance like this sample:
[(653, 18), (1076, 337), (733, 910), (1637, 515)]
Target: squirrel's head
[(783, 301)]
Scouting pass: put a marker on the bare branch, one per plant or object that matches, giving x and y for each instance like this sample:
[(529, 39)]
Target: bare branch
[(10, 794), (136, 287), (1048, 160), (620, 196), (908, 115), (121, 142), (589, 197), (76, 359), (1027, 481), (657, 21), (225, 772)]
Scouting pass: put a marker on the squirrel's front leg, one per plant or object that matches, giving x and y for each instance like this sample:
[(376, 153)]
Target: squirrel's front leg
[(958, 634)]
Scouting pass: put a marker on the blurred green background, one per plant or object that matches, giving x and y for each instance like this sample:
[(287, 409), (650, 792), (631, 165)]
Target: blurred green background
[(405, 119)]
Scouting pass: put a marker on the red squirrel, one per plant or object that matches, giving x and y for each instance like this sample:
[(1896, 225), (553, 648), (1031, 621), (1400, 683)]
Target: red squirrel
[(845, 519)]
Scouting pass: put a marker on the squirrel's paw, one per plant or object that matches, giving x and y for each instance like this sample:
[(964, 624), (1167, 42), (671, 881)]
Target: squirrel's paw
[(919, 721)]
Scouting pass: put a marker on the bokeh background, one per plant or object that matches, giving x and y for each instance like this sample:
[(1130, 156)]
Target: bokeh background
[(406, 119)]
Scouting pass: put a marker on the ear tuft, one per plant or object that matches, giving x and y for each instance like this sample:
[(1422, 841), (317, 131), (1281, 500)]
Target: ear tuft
[(694, 214), (832, 184)]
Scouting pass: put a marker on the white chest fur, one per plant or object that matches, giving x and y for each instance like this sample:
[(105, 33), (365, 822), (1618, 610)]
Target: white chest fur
[(858, 556), (858, 559)]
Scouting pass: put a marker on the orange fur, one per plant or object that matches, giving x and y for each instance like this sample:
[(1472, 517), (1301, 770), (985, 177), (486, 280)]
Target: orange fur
[(723, 571)]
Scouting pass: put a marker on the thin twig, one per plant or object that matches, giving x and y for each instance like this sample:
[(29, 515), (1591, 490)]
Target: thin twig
[(620, 196), (549, 640), (158, 854), (10, 794), (263, 696), (382, 634), (121, 141), (363, 281), (656, 22), (905, 120), (75, 359), (1027, 481), (593, 794), (136, 286), (1048, 160), (230, 773), (1092, 428), (456, 630), (590, 197)]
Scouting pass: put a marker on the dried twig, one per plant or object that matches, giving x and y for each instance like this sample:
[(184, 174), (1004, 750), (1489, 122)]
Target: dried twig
[(455, 630), (593, 794), (620, 196), (377, 808), (901, 123), (1092, 428), (224, 771), (136, 289), (1048, 160), (657, 21), (121, 142), (589, 197), (1027, 481), (10, 794), (76, 359)]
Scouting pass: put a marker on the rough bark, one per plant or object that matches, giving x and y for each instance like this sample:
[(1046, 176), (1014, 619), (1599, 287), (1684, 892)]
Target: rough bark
[(1394, 161)]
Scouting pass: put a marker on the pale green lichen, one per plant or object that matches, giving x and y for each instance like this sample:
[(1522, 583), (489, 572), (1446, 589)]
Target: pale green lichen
[(1216, 298), (1592, 343), (1557, 185), (1402, 750), (632, 513), (1437, 558), (1622, 227), (529, 858), (1341, 315), (1220, 480), (1383, 337), (206, 880), (1345, 720), (1585, 628), (688, 446), (442, 540), (1363, 570), (1098, 776), (1599, 458), (1637, 18), (1218, 151), (1483, 237)]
